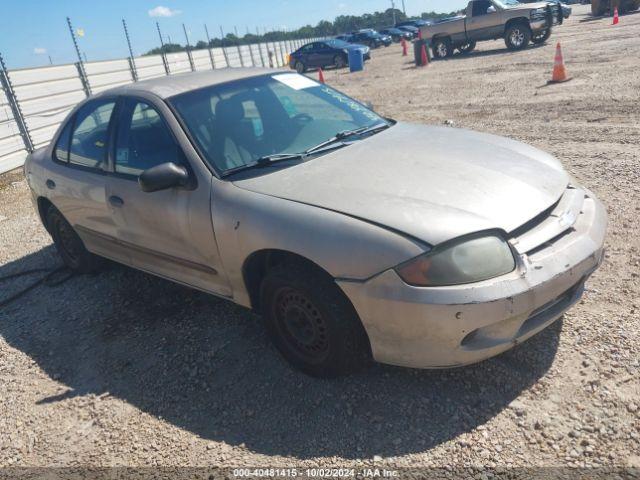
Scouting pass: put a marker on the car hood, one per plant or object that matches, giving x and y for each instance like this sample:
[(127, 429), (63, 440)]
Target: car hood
[(432, 183)]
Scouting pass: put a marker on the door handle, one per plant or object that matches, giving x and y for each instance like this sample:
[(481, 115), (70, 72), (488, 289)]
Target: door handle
[(50, 184), (116, 201)]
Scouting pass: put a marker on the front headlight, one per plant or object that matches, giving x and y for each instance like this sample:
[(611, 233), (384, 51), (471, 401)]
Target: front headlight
[(466, 260)]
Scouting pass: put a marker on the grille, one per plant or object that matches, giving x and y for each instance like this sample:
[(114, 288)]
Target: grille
[(551, 225)]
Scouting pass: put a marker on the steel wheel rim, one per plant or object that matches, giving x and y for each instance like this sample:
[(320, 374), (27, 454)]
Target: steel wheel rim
[(517, 37), (301, 325), (442, 50)]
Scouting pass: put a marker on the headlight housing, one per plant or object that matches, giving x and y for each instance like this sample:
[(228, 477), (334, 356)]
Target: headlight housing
[(466, 260)]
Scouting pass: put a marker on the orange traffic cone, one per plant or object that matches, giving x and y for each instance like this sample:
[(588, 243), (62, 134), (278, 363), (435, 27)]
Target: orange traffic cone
[(404, 47), (559, 70), (616, 17), (320, 75), (424, 58)]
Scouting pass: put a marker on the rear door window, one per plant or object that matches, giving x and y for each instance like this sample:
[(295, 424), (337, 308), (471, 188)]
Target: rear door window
[(62, 147)]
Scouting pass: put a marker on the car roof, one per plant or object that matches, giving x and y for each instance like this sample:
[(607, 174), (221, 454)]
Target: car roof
[(170, 85)]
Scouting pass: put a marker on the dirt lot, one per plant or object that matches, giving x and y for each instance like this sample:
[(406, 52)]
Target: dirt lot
[(127, 369)]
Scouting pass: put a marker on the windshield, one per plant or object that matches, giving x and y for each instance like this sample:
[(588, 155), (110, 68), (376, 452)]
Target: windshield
[(237, 123), (507, 3)]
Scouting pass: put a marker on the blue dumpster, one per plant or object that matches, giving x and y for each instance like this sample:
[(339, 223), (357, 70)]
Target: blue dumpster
[(356, 60)]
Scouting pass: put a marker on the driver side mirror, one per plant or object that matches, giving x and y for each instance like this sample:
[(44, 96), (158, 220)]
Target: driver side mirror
[(162, 177), (491, 9)]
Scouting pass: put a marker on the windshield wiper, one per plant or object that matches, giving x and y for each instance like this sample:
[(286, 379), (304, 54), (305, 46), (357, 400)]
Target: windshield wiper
[(348, 134), (331, 144)]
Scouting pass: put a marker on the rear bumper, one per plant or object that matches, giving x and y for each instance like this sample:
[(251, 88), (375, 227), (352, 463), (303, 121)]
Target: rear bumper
[(454, 326)]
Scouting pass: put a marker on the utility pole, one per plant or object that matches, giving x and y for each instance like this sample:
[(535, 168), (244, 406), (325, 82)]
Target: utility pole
[(393, 11), (404, 10)]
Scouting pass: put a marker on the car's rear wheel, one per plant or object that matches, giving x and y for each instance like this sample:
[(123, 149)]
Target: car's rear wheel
[(300, 67), (311, 322), (517, 36), (69, 245), (467, 47), (442, 48), (339, 61), (541, 37)]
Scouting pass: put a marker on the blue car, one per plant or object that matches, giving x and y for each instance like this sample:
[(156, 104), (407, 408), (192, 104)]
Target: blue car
[(323, 54)]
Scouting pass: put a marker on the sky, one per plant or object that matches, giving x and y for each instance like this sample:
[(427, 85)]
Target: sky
[(31, 31)]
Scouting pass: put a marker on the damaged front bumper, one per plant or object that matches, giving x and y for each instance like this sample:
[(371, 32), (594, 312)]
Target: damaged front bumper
[(440, 327)]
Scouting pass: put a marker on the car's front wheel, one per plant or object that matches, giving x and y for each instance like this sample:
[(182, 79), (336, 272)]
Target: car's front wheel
[(339, 61), (311, 322), (69, 245), (300, 67), (517, 36)]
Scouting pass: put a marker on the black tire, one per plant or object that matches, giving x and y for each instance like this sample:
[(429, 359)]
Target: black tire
[(541, 37), (442, 48), (517, 36), (301, 67), (339, 61), (311, 321), (467, 48), (70, 246)]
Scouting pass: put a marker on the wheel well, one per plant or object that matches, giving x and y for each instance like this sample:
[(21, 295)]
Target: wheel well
[(44, 204), (258, 264), (435, 38), (514, 21)]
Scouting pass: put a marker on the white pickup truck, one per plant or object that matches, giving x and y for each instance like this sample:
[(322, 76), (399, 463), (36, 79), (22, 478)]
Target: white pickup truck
[(518, 23)]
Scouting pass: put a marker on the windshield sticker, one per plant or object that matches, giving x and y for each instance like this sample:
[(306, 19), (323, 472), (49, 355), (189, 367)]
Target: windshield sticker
[(352, 104), (295, 81)]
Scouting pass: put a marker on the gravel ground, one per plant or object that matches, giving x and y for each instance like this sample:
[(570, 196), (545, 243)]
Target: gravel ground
[(125, 369)]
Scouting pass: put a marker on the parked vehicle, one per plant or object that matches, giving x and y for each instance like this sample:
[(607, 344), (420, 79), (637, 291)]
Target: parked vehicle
[(601, 7), (370, 38), (355, 236), (344, 38), (414, 31), (396, 34), (516, 22), (323, 54), (386, 39), (417, 23)]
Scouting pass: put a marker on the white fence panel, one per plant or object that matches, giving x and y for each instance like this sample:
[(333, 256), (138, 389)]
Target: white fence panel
[(201, 59), (110, 66), (43, 74), (178, 62), (219, 58), (150, 67)]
